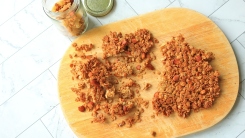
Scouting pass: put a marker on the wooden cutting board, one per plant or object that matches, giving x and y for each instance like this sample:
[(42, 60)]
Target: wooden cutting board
[(199, 32)]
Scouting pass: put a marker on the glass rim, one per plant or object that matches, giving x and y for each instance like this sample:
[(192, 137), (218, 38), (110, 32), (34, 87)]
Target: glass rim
[(53, 14)]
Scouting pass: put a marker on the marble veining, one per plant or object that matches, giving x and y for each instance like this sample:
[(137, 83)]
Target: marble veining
[(21, 29), (36, 57), (31, 49), (230, 18), (10, 7), (241, 39), (147, 6), (206, 7), (242, 135), (242, 88), (57, 124), (55, 69), (28, 105), (37, 128), (239, 52), (121, 10)]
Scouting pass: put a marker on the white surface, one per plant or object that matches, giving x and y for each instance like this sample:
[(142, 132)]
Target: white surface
[(38, 130), (31, 49)]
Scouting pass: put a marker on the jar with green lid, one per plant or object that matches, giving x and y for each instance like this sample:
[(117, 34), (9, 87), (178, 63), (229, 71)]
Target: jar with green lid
[(68, 16), (98, 7)]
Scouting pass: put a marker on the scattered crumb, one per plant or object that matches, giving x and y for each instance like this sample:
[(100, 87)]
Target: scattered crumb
[(153, 133)]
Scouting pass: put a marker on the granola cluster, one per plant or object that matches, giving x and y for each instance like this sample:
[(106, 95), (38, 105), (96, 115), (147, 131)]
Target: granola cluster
[(134, 45), (62, 5), (189, 81), (105, 86)]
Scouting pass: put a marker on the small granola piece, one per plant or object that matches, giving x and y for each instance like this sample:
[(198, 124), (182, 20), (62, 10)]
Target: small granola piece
[(150, 66), (153, 133), (176, 78), (126, 92), (81, 108), (62, 5), (113, 44), (83, 47), (121, 108), (110, 93), (155, 40), (99, 118), (162, 103), (121, 69), (90, 105), (121, 124), (147, 86), (138, 67)]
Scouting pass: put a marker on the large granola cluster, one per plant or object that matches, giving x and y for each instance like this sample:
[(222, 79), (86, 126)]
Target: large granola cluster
[(190, 83), (105, 85)]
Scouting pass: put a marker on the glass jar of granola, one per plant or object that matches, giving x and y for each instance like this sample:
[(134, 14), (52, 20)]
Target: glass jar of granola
[(69, 16)]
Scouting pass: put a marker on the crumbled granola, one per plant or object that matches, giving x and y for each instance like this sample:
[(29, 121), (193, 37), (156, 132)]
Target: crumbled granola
[(121, 68), (135, 45), (147, 86), (153, 133), (190, 83), (105, 86)]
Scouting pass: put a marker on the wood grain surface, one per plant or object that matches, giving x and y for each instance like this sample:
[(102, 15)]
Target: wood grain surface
[(200, 32)]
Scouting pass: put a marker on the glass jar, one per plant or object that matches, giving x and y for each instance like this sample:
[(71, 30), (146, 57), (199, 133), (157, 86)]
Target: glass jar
[(69, 16)]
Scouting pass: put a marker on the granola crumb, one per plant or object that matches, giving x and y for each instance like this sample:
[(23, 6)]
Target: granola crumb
[(153, 116), (153, 133), (147, 86)]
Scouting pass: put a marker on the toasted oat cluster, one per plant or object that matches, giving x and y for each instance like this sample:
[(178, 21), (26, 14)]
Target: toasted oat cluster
[(62, 5), (104, 85), (133, 45), (189, 81)]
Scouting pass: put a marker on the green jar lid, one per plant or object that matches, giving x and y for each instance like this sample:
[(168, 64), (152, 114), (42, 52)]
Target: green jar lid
[(98, 7)]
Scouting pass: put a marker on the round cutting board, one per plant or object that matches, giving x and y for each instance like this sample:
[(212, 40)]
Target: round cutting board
[(200, 32)]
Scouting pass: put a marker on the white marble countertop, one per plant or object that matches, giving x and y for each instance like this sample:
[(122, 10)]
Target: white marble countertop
[(31, 49)]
